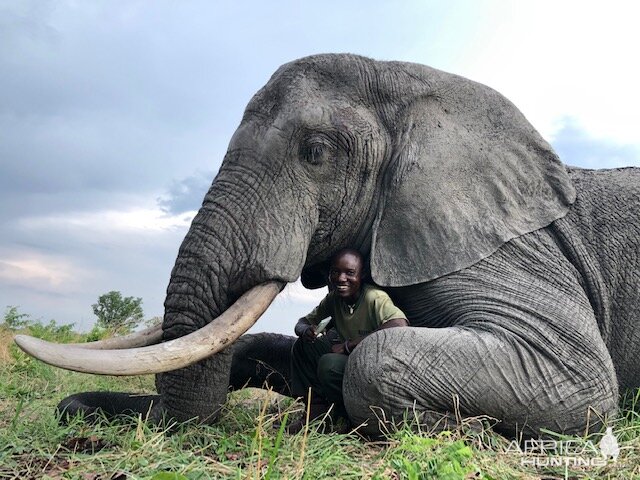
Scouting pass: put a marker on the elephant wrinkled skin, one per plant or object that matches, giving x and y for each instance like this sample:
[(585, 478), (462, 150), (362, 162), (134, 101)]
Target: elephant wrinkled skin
[(520, 274)]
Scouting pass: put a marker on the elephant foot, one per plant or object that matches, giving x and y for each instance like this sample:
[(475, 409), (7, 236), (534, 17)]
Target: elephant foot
[(109, 405)]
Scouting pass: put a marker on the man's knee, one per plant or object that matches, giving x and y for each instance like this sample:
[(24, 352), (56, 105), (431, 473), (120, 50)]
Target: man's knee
[(298, 346), (303, 348), (331, 366)]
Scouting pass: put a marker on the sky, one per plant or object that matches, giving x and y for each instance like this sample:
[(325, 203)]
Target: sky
[(115, 116)]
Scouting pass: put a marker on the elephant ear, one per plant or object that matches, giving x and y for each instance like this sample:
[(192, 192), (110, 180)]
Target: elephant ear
[(467, 173)]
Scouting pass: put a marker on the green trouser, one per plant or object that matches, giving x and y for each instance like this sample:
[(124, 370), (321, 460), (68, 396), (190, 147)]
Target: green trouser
[(314, 366)]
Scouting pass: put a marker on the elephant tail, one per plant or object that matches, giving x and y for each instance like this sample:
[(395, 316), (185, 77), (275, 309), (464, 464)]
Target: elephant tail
[(109, 405)]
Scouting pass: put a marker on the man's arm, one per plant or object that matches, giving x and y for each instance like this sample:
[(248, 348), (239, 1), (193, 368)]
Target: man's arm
[(347, 347), (394, 322), (305, 330), (307, 325)]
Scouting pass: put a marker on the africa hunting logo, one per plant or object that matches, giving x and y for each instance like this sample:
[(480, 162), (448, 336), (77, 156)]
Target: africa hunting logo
[(573, 453)]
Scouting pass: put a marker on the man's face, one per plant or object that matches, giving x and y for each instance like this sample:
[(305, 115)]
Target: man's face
[(345, 276)]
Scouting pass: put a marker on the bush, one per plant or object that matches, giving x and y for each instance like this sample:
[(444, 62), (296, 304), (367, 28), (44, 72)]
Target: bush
[(53, 332), (13, 320), (97, 333)]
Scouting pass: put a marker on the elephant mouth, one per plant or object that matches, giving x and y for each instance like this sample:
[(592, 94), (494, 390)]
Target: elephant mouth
[(117, 357)]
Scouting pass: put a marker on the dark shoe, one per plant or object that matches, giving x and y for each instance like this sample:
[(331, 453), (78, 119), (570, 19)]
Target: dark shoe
[(341, 426), (316, 411)]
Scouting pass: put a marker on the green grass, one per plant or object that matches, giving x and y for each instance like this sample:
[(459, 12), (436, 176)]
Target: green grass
[(249, 441)]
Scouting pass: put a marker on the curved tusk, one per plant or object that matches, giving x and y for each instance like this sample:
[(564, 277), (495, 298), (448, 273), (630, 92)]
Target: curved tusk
[(148, 336), (164, 357)]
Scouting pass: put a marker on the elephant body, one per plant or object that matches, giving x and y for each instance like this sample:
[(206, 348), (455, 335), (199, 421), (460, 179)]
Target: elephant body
[(491, 331), (519, 276), (504, 348)]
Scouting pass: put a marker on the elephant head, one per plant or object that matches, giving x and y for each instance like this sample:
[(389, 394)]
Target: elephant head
[(423, 171)]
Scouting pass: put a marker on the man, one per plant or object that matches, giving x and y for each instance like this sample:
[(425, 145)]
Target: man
[(356, 310)]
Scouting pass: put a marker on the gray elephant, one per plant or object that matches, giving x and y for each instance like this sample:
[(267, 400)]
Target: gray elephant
[(520, 273)]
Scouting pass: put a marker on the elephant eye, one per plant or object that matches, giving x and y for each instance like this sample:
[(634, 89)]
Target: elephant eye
[(312, 154)]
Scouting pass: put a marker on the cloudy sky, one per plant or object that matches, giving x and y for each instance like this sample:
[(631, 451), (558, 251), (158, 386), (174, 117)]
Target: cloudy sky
[(114, 116)]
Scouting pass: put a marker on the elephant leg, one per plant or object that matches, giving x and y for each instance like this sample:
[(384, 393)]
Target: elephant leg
[(522, 346), (95, 405), (436, 374), (259, 360), (262, 360)]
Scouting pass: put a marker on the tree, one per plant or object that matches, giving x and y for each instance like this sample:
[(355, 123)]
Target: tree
[(15, 320), (118, 314)]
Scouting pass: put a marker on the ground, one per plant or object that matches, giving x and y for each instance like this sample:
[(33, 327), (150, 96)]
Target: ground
[(249, 441)]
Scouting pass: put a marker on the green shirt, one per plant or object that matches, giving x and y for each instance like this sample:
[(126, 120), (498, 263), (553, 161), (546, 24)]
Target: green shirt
[(372, 309)]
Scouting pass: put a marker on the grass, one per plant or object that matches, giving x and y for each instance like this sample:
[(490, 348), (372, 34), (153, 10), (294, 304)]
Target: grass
[(249, 441)]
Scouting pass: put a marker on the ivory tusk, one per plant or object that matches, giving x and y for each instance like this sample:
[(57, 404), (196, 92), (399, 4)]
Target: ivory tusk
[(148, 336), (178, 353)]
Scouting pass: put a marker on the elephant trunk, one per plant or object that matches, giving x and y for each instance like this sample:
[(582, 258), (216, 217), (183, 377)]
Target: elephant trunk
[(223, 257)]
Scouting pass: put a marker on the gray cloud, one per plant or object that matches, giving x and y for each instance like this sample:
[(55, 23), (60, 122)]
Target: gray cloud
[(576, 147), (187, 194)]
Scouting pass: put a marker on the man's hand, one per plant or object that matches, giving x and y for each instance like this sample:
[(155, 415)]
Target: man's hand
[(306, 331), (394, 322), (309, 335), (347, 347)]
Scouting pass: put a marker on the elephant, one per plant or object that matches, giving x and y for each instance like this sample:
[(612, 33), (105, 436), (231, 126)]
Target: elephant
[(518, 274)]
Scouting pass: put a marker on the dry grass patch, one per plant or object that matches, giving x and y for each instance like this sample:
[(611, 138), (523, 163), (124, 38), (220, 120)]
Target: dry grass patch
[(6, 339)]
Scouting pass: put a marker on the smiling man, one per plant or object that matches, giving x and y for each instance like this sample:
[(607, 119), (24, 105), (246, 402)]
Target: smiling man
[(356, 310)]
